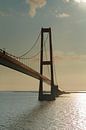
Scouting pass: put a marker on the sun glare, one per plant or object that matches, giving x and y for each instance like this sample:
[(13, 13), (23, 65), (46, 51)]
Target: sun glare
[(80, 1)]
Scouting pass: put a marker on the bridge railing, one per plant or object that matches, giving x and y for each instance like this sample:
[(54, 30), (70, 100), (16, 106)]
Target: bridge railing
[(6, 53), (22, 60)]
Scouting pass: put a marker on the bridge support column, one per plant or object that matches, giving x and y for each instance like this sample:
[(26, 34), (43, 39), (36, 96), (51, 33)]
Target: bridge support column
[(42, 95)]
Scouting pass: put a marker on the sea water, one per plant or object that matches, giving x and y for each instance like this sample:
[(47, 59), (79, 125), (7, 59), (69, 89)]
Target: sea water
[(23, 111)]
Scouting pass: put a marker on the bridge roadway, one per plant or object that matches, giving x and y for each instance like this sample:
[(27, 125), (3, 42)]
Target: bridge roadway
[(14, 64)]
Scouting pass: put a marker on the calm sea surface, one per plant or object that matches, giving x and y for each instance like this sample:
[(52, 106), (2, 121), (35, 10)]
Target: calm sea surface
[(22, 111)]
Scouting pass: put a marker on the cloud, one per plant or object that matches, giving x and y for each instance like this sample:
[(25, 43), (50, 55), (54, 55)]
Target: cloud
[(62, 15), (80, 1), (61, 56), (34, 5), (2, 13), (66, 0), (77, 1), (11, 13)]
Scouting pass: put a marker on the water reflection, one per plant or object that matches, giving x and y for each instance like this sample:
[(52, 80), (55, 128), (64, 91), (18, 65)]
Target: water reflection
[(38, 118), (65, 113), (80, 110)]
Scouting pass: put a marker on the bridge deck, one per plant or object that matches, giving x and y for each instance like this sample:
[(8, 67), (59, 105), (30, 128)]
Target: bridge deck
[(13, 63)]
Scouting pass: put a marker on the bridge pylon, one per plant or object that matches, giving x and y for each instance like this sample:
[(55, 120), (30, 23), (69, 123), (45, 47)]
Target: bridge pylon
[(44, 96)]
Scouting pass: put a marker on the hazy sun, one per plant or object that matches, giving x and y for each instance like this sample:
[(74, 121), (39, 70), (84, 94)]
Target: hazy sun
[(81, 1)]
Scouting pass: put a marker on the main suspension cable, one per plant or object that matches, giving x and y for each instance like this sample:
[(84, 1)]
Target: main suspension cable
[(31, 47), (36, 53)]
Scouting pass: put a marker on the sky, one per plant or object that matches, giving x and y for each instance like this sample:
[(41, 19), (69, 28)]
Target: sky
[(20, 23)]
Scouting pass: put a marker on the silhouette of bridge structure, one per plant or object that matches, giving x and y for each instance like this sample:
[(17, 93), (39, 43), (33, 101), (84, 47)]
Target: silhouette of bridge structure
[(16, 63)]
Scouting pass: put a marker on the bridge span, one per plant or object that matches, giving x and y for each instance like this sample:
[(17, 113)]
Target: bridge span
[(13, 63)]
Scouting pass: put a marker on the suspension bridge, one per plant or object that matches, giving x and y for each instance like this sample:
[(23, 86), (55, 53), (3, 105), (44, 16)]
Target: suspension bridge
[(43, 58)]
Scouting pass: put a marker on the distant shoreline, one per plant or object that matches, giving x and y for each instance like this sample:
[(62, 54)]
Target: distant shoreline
[(20, 91), (64, 92), (77, 91)]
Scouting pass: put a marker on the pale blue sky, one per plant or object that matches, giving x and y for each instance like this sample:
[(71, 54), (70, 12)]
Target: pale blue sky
[(21, 21)]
